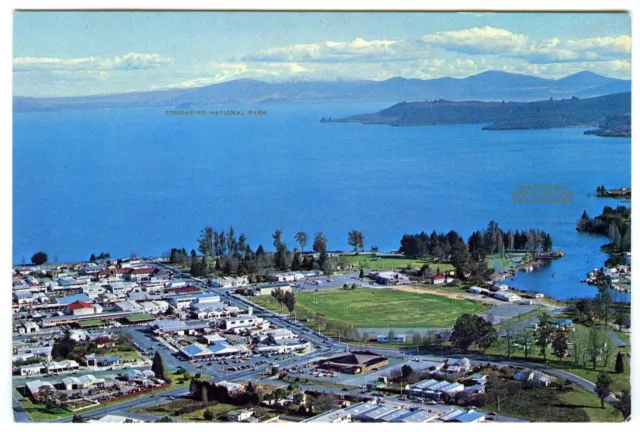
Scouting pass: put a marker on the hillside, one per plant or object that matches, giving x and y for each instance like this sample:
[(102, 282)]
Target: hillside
[(503, 115), (488, 86)]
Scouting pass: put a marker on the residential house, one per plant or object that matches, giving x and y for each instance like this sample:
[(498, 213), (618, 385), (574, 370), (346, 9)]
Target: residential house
[(533, 376), (239, 415)]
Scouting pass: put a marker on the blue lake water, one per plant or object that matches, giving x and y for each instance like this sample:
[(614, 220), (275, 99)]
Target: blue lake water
[(137, 180)]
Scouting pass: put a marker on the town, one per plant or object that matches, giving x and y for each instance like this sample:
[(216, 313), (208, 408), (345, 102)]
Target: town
[(138, 340)]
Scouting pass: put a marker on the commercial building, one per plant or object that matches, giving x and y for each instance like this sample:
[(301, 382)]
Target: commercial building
[(268, 289), (389, 278), (355, 362), (242, 321)]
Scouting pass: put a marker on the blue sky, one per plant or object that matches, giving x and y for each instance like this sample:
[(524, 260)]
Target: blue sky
[(77, 53)]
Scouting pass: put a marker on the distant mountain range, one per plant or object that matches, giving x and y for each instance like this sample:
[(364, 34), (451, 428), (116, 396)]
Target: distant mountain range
[(488, 86), (609, 112)]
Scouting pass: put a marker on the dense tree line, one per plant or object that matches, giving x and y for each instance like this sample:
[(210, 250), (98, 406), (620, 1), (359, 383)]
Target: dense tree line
[(613, 223), (222, 253), (481, 243)]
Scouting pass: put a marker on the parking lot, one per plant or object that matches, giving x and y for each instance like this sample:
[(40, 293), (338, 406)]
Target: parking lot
[(332, 282), (506, 311)]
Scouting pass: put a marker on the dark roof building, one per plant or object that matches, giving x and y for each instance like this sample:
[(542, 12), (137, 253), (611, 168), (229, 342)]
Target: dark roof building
[(355, 362)]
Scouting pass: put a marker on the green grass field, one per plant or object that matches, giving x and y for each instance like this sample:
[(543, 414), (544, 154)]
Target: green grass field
[(547, 405), (379, 308), (368, 262)]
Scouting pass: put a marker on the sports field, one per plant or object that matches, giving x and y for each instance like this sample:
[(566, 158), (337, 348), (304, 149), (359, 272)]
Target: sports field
[(378, 308)]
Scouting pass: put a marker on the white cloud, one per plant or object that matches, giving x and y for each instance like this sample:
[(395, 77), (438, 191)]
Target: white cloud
[(457, 54), (326, 51), (490, 40), (128, 61), (485, 40)]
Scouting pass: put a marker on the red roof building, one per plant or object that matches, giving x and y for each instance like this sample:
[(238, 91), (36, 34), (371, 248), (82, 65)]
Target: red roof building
[(80, 308), (187, 290)]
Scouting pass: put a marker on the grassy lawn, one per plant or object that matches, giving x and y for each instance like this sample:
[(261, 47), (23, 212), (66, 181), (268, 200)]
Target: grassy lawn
[(520, 318), (39, 412), (549, 405), (379, 308), (124, 355), (581, 397), (620, 381), (368, 262)]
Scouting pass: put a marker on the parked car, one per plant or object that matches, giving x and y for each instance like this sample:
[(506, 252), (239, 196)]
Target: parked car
[(491, 416)]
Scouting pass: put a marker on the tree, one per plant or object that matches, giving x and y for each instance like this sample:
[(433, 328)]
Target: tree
[(47, 396), (416, 339), (158, 366), (527, 338), (295, 263), (603, 387), (509, 337), (465, 332), (510, 240), (39, 258), (544, 333), (92, 257), (356, 240), (208, 414), (623, 320), (361, 274), (77, 418), (320, 243), (596, 343), (165, 419), (623, 406), (487, 334), (619, 363), (559, 345), (289, 300), (604, 303), (301, 239), (406, 371), (324, 402)]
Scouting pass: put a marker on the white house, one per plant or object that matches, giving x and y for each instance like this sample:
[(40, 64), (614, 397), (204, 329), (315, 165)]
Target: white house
[(506, 296)]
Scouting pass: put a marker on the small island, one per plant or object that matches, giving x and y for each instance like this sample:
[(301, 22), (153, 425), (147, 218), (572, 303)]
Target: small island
[(603, 192)]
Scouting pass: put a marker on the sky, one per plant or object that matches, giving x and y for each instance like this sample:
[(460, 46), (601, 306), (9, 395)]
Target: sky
[(91, 53)]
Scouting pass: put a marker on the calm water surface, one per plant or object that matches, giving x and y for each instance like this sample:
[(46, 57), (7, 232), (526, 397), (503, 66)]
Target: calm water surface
[(136, 180)]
